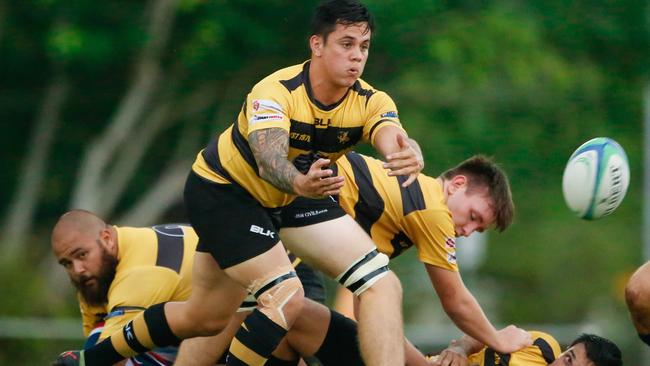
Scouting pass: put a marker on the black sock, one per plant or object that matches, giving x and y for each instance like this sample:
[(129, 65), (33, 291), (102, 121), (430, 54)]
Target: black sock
[(151, 323), (103, 353), (341, 346), (645, 338), (274, 361), (255, 340)]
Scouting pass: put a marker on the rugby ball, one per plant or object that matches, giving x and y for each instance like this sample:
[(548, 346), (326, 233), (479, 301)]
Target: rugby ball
[(596, 178)]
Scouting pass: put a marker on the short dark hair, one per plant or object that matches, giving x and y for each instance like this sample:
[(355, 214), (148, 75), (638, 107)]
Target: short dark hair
[(483, 173), (347, 12), (600, 351)]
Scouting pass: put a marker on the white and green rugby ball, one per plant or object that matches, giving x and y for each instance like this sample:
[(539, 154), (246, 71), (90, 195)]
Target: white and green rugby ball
[(596, 178)]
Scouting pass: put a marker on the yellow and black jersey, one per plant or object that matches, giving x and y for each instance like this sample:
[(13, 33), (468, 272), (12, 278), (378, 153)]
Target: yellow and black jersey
[(396, 217), (545, 350), (284, 100), (154, 265)]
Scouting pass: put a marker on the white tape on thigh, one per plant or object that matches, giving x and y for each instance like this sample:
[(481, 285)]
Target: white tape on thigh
[(364, 272)]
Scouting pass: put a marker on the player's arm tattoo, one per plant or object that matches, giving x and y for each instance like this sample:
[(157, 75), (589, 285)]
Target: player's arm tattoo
[(270, 148)]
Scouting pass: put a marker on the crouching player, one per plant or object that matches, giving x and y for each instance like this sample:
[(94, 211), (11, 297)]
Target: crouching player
[(428, 214), (120, 271)]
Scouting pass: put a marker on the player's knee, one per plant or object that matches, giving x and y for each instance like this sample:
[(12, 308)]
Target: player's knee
[(366, 272), (213, 326), (205, 322), (389, 285), (281, 298)]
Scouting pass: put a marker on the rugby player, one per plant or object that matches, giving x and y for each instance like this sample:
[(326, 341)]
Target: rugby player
[(428, 215), (307, 114), (586, 350), (637, 297), (120, 271)]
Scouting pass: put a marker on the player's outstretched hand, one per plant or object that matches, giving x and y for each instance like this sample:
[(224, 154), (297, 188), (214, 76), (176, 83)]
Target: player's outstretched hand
[(407, 161), (512, 339), (451, 356), (318, 182), (70, 358)]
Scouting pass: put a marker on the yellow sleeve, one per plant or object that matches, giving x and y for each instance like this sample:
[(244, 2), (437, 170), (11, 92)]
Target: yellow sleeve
[(135, 290), (432, 232), (89, 317), (382, 112), (268, 105)]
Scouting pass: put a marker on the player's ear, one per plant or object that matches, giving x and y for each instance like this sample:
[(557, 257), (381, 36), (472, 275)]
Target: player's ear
[(106, 236), (316, 44), (457, 182)]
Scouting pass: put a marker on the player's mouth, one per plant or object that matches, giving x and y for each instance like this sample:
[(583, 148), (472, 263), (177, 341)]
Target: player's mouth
[(87, 282), (354, 72)]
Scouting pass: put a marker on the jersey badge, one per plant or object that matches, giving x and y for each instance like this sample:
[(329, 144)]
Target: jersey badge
[(267, 105), (391, 114), (343, 137)]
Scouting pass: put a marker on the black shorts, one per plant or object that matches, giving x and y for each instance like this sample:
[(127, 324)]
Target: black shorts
[(230, 223), (306, 211)]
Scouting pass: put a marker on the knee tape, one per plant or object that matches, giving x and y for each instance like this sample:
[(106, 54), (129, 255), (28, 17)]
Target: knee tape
[(364, 272), (273, 292), (249, 304)]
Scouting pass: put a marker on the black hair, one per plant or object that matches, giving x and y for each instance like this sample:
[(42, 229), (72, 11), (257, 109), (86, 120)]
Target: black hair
[(600, 351), (347, 12)]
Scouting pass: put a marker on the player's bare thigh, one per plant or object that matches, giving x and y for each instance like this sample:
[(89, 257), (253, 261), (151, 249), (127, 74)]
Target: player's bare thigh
[(331, 246), (217, 293), (214, 298)]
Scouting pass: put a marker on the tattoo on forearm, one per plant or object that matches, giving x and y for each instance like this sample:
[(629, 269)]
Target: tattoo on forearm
[(270, 148)]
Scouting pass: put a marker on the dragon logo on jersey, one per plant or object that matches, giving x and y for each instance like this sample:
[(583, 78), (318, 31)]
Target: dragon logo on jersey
[(343, 137)]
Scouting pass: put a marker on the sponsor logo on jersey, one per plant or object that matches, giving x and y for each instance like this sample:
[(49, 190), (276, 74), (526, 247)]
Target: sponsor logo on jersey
[(267, 105), (259, 230), (451, 258), (322, 122), (391, 114), (300, 136), (257, 118), (450, 243)]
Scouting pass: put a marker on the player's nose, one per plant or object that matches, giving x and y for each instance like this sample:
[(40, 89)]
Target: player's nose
[(78, 267)]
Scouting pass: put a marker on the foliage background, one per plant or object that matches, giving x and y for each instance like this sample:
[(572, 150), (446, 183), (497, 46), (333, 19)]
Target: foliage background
[(103, 105)]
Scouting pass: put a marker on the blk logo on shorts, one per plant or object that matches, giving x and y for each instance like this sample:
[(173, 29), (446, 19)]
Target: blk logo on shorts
[(259, 230)]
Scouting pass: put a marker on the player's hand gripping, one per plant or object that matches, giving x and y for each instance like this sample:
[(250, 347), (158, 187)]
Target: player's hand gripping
[(407, 161), (453, 355), (512, 339), (318, 181), (70, 358)]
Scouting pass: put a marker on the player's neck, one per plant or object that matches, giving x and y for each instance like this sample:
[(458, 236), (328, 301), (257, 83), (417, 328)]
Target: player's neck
[(322, 88), (443, 186)]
